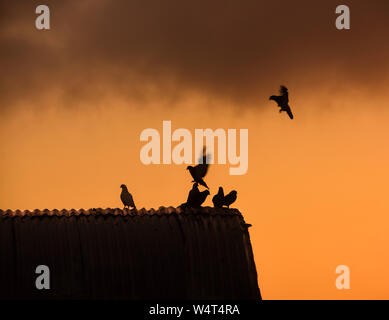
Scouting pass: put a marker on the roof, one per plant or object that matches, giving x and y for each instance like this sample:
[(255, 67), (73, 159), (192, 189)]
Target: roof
[(168, 253), (123, 212)]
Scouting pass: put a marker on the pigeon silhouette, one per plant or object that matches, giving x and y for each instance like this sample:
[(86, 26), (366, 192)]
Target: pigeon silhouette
[(200, 198), (282, 101), (230, 198), (195, 197), (126, 197), (192, 196), (218, 199), (198, 172)]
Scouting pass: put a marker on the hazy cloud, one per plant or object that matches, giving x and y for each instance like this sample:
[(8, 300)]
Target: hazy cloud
[(140, 49)]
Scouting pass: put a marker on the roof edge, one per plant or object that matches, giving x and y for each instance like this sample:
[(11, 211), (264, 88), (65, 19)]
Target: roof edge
[(117, 211)]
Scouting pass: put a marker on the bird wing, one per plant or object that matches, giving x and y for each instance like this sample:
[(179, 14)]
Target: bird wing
[(132, 204), (202, 196), (202, 168), (277, 99), (123, 198), (126, 198), (283, 90), (230, 198), (284, 94)]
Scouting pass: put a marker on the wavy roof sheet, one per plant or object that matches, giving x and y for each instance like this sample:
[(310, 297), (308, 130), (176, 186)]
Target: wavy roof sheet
[(166, 253), (118, 211)]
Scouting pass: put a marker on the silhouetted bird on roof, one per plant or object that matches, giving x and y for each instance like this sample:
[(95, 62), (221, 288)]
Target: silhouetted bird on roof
[(283, 101), (218, 199), (198, 172), (195, 197), (200, 199), (126, 197), (230, 198), (192, 196)]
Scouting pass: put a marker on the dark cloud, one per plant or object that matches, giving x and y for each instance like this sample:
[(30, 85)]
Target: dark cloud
[(235, 50)]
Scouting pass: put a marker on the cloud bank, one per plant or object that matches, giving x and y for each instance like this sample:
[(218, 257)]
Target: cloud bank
[(232, 50)]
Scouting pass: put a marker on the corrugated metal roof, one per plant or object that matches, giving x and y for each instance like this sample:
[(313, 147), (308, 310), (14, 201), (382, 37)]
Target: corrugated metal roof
[(118, 211), (168, 253)]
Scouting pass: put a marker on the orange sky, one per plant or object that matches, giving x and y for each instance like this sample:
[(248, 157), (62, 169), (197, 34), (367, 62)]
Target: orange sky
[(315, 190), (316, 187)]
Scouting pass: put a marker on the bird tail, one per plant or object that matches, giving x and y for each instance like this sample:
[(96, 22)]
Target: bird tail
[(290, 114), (204, 184)]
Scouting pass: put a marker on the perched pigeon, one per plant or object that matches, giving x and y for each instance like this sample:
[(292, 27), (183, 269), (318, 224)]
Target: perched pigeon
[(230, 198), (200, 199), (198, 172), (218, 198), (126, 197), (195, 197), (283, 101)]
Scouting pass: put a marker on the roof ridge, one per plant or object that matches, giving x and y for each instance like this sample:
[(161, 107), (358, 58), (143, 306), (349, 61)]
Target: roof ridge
[(117, 211)]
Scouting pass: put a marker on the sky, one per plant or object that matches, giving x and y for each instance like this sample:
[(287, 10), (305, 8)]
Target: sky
[(74, 100)]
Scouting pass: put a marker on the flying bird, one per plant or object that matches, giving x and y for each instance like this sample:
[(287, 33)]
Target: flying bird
[(198, 172), (282, 101), (230, 198), (126, 197), (218, 199)]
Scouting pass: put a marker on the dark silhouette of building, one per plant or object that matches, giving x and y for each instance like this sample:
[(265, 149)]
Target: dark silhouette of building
[(168, 253)]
